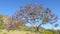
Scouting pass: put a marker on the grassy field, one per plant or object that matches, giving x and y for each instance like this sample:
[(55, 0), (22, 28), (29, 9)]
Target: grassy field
[(15, 32)]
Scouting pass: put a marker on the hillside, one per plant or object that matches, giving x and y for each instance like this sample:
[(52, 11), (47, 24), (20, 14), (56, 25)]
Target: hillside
[(24, 29), (4, 18)]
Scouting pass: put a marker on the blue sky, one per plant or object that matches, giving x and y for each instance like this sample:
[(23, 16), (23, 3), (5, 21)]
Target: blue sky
[(8, 7)]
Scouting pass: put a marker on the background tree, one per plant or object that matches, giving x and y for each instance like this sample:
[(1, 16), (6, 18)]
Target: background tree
[(13, 23)]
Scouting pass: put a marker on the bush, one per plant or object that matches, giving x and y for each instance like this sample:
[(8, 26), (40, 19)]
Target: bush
[(53, 31), (27, 33), (4, 33), (48, 32), (1, 22), (2, 27)]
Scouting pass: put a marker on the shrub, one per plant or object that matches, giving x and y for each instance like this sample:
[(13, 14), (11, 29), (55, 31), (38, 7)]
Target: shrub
[(2, 27), (27, 33), (48, 32), (4, 33)]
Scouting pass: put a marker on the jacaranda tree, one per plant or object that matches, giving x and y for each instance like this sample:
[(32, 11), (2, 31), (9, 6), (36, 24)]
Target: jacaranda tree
[(33, 13), (36, 15)]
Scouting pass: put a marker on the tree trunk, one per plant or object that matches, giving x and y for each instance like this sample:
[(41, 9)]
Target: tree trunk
[(38, 28)]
